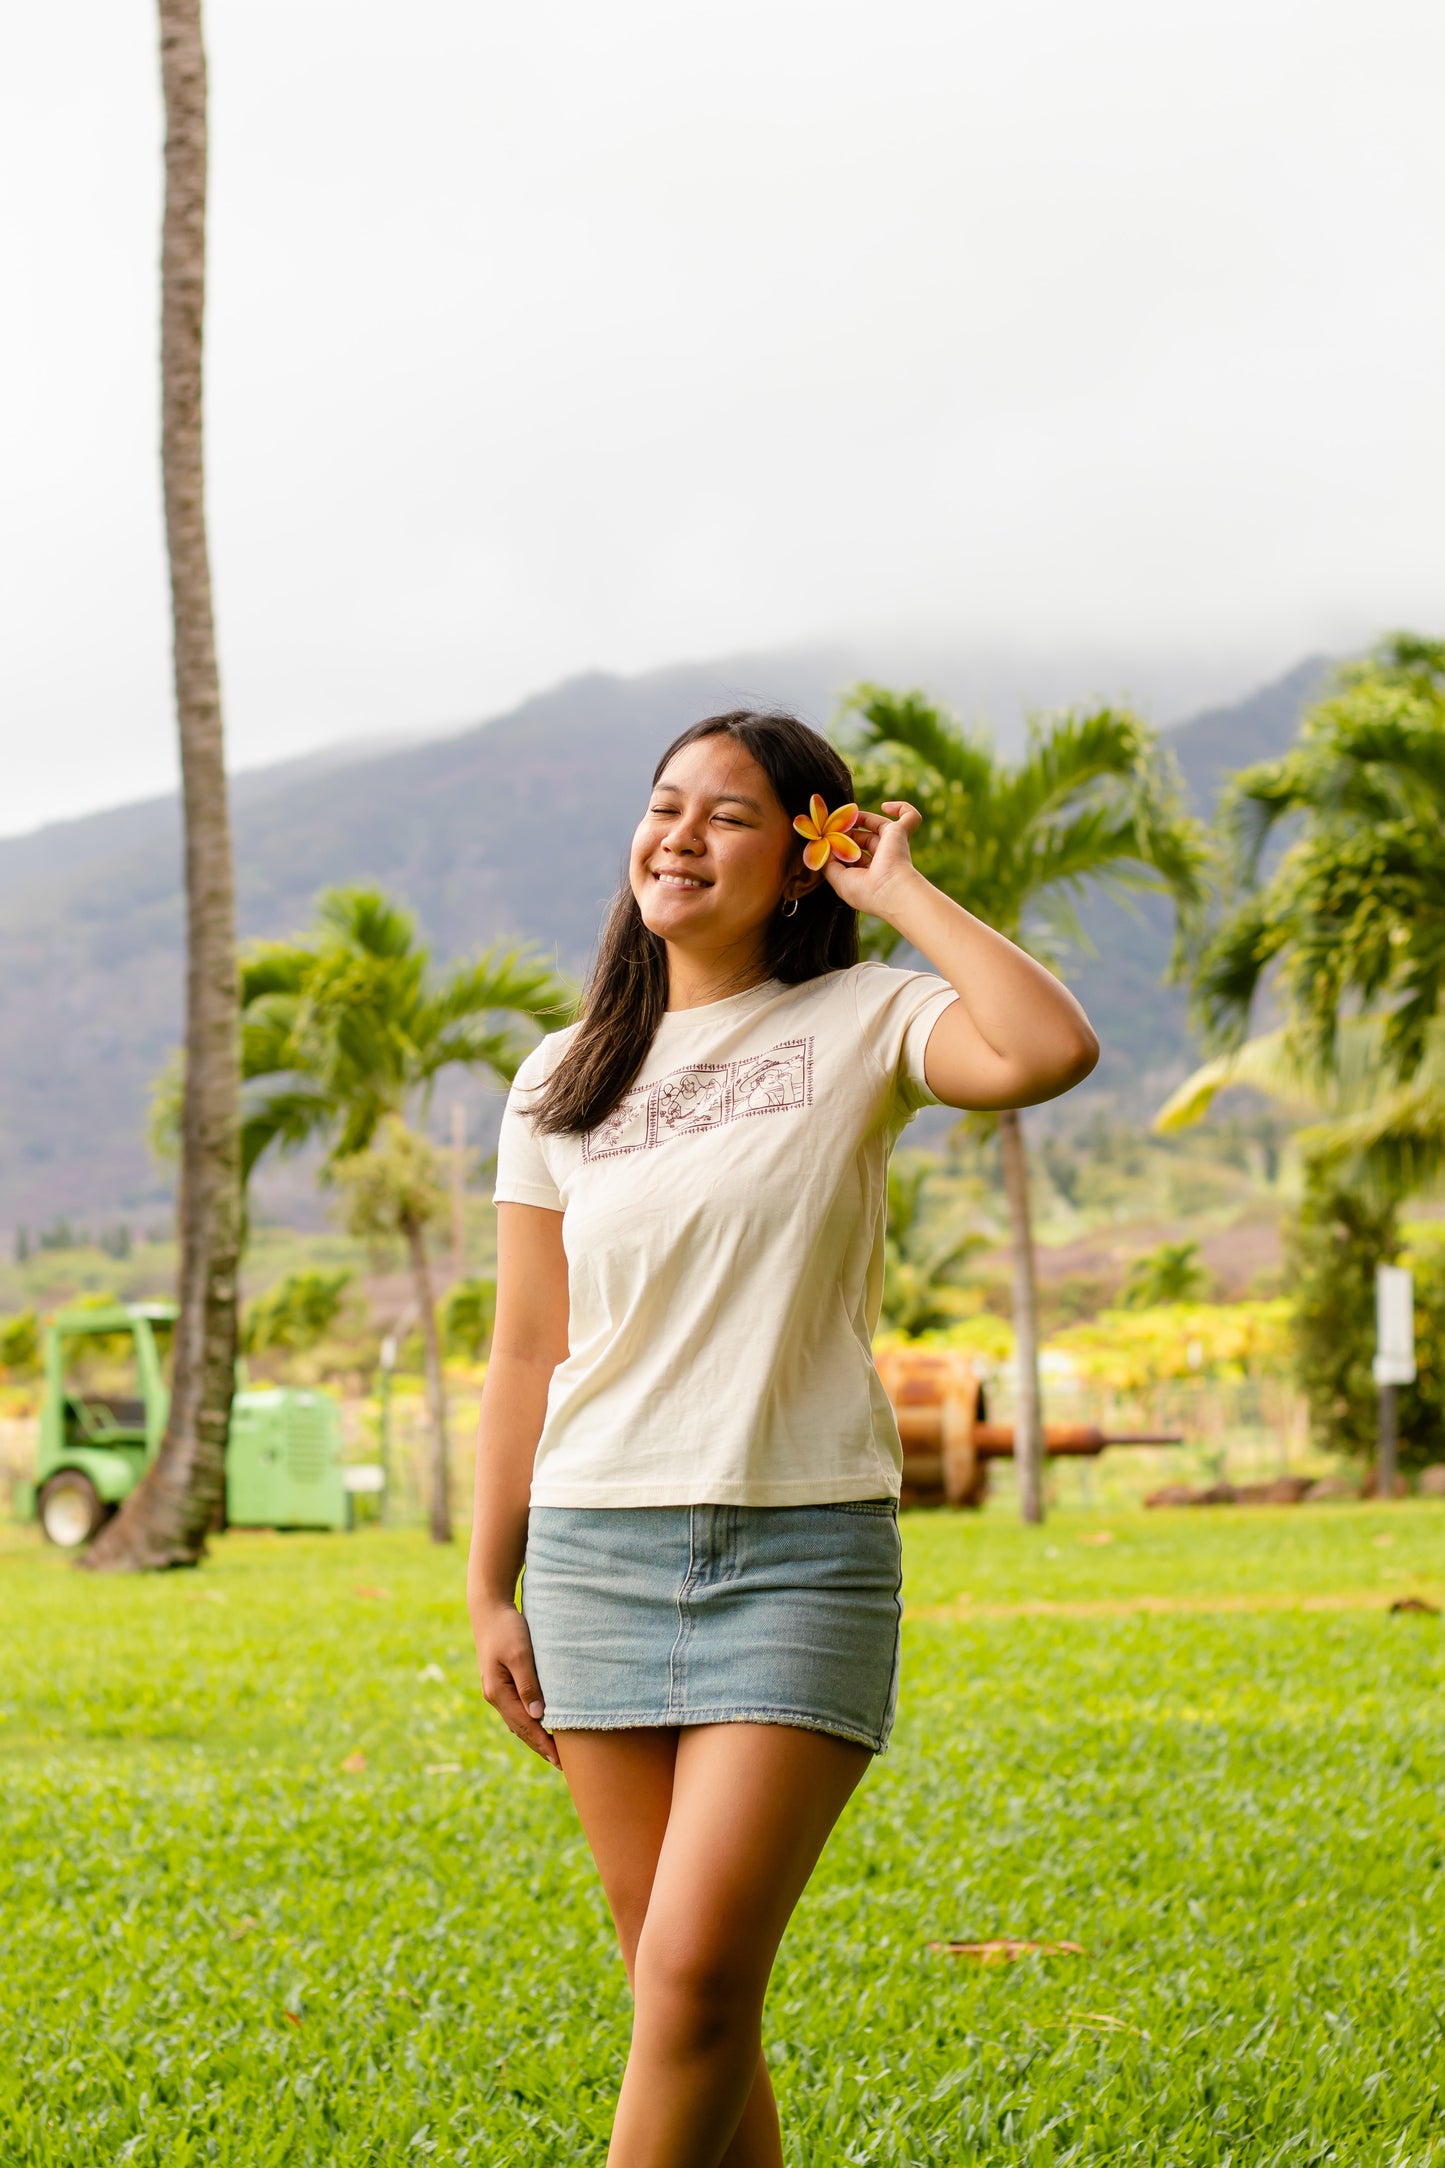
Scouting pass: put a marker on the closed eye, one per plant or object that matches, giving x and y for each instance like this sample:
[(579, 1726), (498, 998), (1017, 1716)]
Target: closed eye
[(728, 820)]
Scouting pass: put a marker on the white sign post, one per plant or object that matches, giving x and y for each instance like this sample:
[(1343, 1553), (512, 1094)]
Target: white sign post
[(1394, 1363)]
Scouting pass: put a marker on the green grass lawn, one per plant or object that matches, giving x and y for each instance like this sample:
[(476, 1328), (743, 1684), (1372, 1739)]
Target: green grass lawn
[(1205, 1750)]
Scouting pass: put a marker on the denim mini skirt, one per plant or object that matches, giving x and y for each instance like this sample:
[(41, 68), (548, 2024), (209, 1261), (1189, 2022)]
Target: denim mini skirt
[(670, 1615)]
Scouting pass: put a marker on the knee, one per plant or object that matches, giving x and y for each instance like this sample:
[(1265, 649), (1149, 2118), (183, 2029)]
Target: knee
[(697, 1993)]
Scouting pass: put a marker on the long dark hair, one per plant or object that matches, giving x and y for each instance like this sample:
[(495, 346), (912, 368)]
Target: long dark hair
[(627, 991)]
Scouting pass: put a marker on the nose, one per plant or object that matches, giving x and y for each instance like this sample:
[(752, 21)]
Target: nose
[(682, 837)]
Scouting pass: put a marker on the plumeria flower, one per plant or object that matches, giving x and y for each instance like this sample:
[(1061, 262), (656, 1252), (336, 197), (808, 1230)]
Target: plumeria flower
[(827, 834)]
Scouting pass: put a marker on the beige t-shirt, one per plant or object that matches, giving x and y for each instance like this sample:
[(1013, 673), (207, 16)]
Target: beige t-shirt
[(724, 1238)]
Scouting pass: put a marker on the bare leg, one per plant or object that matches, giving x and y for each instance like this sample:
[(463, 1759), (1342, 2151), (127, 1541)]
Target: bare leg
[(751, 1808), (621, 1784)]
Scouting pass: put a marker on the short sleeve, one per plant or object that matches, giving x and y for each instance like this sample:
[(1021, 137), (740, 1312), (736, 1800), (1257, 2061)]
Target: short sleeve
[(897, 1011), (523, 1176)]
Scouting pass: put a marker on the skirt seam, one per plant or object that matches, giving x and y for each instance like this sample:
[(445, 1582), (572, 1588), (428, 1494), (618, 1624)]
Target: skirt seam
[(649, 1720), (891, 1704)]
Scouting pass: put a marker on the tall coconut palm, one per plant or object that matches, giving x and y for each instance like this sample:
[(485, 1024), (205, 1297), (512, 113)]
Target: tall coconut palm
[(165, 1519), (1353, 915), (1350, 925), (346, 1035), (1094, 801)]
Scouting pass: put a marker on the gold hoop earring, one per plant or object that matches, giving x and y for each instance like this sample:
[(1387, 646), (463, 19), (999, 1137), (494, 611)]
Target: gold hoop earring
[(790, 908)]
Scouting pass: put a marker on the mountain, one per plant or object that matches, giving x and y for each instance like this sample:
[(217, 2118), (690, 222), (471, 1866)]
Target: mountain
[(516, 828), (1261, 727)]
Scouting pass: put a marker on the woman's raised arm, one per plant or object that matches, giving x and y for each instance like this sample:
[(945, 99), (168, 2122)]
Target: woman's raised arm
[(1015, 1035)]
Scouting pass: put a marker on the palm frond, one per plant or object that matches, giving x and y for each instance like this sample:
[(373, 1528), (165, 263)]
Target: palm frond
[(1234, 961), (272, 967), (268, 1035), (1408, 746), (514, 979), (367, 921), (472, 1046), (1069, 751), (1251, 806), (1098, 839), (1286, 1068), (920, 727), (1394, 1147), (286, 1119), (1412, 656), (1268, 1064)]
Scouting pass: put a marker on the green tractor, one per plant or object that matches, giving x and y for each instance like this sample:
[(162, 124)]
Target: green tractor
[(283, 1463)]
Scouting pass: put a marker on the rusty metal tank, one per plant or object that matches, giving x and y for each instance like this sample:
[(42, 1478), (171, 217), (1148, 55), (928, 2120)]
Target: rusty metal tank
[(941, 1406)]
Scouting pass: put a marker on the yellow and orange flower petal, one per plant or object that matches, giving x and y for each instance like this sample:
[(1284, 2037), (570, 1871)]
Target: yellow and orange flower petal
[(827, 834)]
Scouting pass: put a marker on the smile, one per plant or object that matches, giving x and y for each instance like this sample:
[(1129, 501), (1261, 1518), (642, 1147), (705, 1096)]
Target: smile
[(680, 880)]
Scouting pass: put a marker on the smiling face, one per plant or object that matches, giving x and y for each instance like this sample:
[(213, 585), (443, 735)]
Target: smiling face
[(714, 855)]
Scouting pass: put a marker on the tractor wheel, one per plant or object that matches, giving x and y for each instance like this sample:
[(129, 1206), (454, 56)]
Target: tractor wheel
[(70, 1512)]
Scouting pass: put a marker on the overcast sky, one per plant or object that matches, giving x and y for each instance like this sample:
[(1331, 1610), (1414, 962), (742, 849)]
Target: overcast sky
[(557, 335)]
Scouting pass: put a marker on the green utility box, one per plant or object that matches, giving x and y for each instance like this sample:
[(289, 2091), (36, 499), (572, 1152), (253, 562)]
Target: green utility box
[(283, 1465)]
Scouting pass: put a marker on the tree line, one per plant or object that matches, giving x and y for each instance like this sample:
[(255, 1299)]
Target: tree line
[(342, 1035), (341, 1039)]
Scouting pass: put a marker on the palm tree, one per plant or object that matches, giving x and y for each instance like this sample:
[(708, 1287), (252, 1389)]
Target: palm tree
[(1351, 922), (1353, 915), (1350, 927), (919, 1288), (165, 1519), (1171, 1272), (1094, 801), (349, 1033)]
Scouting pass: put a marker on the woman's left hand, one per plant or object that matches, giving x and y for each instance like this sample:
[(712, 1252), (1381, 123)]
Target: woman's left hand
[(1015, 1035), (886, 867)]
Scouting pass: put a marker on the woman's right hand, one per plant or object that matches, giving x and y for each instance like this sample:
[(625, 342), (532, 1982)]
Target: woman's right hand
[(509, 1675)]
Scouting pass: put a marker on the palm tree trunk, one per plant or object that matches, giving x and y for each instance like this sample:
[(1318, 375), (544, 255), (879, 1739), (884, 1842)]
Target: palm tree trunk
[(164, 1522), (1028, 1418), (441, 1509)]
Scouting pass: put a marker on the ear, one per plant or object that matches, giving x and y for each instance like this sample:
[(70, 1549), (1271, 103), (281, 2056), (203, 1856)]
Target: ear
[(800, 883)]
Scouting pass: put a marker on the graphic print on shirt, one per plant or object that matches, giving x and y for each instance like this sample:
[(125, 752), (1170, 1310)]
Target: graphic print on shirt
[(705, 1095)]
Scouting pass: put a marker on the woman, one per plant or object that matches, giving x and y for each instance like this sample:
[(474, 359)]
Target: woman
[(682, 1431)]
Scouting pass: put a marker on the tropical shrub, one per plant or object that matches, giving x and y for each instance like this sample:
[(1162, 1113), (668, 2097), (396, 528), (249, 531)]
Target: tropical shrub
[(468, 1313), (1172, 1272), (1128, 1351), (20, 1345), (296, 1313), (1338, 1237)]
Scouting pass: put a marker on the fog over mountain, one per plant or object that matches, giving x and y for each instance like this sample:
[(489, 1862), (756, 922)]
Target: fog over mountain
[(515, 828)]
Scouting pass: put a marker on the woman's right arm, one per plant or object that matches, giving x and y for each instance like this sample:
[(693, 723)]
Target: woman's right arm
[(529, 1339)]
